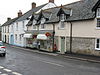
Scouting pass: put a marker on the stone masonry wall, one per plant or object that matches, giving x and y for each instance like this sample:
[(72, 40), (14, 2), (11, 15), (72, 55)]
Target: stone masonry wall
[(82, 46)]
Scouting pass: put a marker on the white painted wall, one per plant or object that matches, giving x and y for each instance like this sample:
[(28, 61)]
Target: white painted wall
[(19, 32), (86, 29)]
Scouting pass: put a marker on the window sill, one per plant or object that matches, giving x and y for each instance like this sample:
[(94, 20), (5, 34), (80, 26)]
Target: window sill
[(61, 28), (98, 17), (34, 29), (97, 49), (42, 29), (98, 28)]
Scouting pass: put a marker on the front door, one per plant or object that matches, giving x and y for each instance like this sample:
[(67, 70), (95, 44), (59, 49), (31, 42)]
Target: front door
[(12, 39), (62, 45)]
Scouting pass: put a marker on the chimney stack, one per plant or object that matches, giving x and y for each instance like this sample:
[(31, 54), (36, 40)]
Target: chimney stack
[(33, 5), (19, 13), (8, 18), (52, 1)]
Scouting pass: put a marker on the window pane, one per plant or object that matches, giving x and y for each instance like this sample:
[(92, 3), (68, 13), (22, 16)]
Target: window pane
[(97, 41), (62, 25), (62, 17), (98, 12), (98, 22), (97, 46)]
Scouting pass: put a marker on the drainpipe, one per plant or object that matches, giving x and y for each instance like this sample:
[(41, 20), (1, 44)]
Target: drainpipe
[(70, 37), (53, 36)]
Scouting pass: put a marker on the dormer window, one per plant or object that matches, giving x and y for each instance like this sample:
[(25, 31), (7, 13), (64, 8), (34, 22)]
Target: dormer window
[(62, 17), (98, 12), (42, 23), (42, 20), (34, 24)]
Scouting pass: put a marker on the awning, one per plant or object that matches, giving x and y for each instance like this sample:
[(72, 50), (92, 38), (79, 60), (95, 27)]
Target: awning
[(42, 37), (27, 35)]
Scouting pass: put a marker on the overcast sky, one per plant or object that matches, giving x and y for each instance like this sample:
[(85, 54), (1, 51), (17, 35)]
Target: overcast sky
[(9, 8)]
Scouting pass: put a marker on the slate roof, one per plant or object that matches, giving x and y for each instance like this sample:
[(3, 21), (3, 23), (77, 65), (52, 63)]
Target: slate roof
[(30, 12), (81, 10), (10, 21), (96, 5), (38, 16)]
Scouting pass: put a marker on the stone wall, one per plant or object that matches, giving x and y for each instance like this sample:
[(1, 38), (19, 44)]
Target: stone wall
[(82, 46)]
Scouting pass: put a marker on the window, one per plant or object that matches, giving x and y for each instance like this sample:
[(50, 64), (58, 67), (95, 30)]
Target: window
[(98, 23), (62, 17), (62, 24), (98, 44), (11, 27), (20, 37), (17, 26), (42, 23), (16, 37), (34, 24), (98, 12), (8, 29), (42, 26), (23, 24)]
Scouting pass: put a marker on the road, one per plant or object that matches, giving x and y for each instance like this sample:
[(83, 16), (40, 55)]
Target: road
[(20, 61)]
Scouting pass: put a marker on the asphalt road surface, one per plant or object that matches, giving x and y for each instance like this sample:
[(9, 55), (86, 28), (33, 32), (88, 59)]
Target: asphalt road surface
[(20, 61)]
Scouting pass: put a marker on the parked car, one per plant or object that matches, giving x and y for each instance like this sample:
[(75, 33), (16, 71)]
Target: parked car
[(2, 49)]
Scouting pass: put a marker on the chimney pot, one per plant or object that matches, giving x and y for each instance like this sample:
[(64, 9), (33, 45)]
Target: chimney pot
[(52, 1), (8, 18), (33, 5), (19, 13)]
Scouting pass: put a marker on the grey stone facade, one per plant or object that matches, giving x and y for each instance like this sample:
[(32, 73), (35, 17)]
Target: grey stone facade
[(82, 45)]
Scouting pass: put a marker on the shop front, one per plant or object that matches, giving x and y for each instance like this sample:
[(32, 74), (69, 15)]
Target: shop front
[(45, 41), (31, 41)]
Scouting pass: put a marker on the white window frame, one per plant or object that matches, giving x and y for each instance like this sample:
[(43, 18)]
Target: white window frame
[(62, 23), (98, 23), (97, 44), (34, 24), (23, 23), (17, 26), (98, 13), (43, 26), (62, 17), (16, 37)]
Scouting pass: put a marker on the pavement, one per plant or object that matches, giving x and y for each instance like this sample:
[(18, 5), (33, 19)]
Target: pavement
[(89, 58)]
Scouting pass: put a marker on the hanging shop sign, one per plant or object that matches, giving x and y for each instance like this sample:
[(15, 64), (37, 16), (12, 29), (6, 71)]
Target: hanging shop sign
[(47, 34)]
